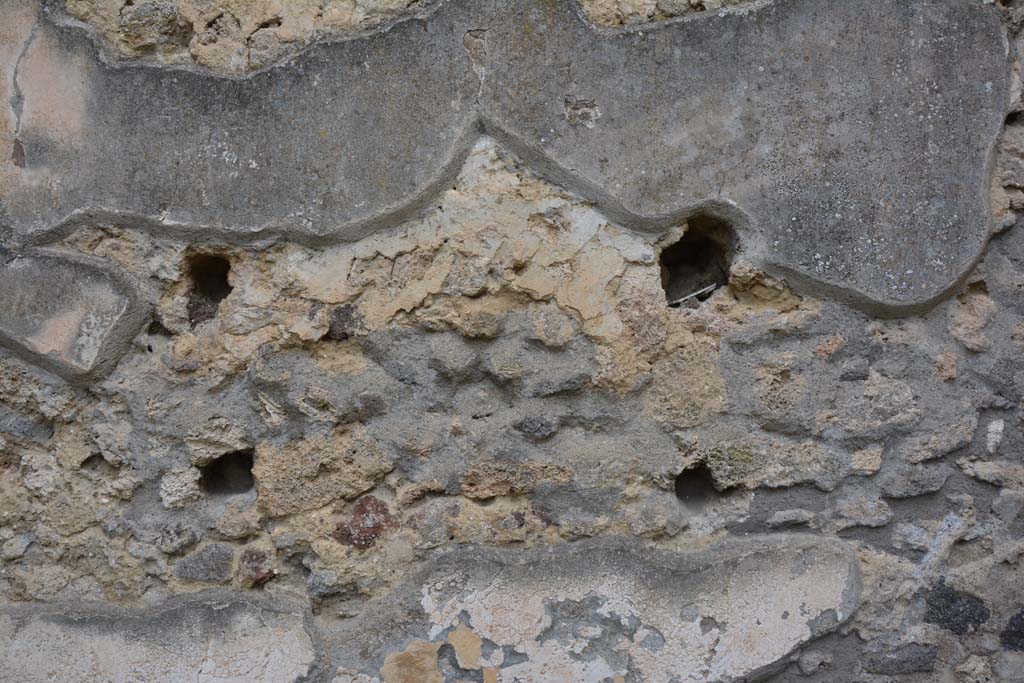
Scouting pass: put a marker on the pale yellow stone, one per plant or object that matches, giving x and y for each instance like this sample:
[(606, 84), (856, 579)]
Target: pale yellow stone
[(417, 664), (867, 460), (468, 646), (969, 317), (688, 386), (319, 470), (340, 358)]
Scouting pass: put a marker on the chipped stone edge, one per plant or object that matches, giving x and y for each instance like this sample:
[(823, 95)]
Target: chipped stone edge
[(618, 551), (117, 339), (614, 553)]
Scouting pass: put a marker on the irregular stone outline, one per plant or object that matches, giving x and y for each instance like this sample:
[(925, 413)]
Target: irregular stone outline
[(481, 123), (117, 338)]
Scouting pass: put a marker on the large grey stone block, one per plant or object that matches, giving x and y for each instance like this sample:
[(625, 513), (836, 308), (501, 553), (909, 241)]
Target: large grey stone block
[(200, 640), (69, 314), (848, 141)]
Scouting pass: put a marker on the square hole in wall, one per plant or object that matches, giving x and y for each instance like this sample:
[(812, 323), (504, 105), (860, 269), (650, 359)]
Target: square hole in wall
[(698, 264), (208, 286), (229, 474)]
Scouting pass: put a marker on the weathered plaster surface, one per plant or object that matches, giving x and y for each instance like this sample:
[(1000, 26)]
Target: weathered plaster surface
[(282, 423), (668, 616)]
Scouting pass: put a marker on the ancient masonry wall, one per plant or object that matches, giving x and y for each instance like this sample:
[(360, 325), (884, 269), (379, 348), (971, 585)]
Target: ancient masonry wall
[(511, 341)]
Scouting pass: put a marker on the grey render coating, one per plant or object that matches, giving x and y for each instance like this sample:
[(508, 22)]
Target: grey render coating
[(848, 142)]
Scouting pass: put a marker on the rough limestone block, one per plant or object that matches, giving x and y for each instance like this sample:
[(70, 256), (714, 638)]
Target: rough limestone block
[(848, 141), (66, 313), (198, 640)]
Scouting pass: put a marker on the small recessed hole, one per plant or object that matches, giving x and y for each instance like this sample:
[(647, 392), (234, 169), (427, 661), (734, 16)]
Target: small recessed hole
[(96, 463), (695, 488), (343, 323), (229, 474), (698, 264), (208, 274)]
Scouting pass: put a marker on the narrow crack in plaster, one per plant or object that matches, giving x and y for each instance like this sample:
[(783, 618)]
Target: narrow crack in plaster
[(17, 100)]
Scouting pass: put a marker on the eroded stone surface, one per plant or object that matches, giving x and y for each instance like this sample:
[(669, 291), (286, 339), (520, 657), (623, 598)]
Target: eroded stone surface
[(596, 612), (609, 610)]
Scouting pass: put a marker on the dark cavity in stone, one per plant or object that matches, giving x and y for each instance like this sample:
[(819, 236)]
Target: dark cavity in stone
[(695, 488), (229, 474), (344, 322), (156, 328), (698, 264), (209, 276)]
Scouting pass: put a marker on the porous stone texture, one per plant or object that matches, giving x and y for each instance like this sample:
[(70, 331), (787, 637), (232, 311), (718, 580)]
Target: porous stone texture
[(236, 36), (372, 367)]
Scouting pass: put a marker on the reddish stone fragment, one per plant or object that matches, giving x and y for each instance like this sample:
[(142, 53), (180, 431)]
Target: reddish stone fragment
[(370, 519)]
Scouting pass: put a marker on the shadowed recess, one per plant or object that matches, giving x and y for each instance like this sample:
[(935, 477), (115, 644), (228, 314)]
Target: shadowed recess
[(695, 488), (229, 474), (698, 264), (208, 274)]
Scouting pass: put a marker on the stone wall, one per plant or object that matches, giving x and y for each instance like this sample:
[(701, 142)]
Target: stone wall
[(362, 341)]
